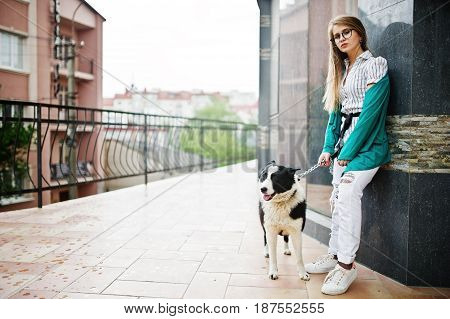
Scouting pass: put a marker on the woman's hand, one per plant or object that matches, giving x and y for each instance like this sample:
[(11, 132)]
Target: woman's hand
[(343, 163), (324, 159)]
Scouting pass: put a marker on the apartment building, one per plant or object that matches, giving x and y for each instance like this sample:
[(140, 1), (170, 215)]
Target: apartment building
[(182, 103), (30, 70)]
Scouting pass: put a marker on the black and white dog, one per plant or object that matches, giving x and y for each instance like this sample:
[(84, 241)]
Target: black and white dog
[(282, 212)]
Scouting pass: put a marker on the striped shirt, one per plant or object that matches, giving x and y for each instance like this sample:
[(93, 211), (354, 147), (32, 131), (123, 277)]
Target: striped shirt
[(364, 71)]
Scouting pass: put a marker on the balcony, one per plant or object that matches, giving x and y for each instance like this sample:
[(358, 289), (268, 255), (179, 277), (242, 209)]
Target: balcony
[(196, 235), (84, 69), (47, 148)]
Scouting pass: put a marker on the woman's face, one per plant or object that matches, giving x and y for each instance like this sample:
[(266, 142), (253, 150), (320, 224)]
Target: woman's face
[(345, 38)]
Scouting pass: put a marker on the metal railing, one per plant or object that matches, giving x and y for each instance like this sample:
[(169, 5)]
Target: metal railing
[(45, 146)]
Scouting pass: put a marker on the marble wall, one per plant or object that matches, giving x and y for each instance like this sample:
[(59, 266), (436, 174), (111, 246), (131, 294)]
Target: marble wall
[(406, 225)]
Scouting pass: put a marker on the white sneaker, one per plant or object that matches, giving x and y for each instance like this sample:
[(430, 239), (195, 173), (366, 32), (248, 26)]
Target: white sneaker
[(338, 280), (322, 265)]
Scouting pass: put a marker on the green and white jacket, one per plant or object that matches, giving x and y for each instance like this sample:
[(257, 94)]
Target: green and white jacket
[(367, 146)]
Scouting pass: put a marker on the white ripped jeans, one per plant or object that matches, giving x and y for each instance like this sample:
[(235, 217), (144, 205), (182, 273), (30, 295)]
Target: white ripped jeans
[(345, 203)]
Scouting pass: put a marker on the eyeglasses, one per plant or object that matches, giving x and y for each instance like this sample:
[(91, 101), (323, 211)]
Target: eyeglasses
[(346, 33)]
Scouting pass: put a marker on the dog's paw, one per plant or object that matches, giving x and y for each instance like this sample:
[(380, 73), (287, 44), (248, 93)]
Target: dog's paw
[(304, 276), (273, 275), (287, 252), (266, 252)]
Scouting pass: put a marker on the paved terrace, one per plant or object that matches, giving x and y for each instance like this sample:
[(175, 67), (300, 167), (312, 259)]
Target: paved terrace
[(191, 236)]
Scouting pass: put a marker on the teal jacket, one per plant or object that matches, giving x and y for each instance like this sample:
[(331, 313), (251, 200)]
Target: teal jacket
[(367, 146)]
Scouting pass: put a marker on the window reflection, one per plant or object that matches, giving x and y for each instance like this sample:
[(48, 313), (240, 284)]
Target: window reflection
[(299, 65)]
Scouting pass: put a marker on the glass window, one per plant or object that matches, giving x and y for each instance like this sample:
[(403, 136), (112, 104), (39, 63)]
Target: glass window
[(5, 49), (11, 50), (17, 52), (298, 73), (319, 187)]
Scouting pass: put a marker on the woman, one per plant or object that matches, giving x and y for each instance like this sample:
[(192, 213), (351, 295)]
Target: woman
[(356, 96)]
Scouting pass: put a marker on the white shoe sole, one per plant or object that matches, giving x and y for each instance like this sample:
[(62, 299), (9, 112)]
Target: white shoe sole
[(319, 270), (334, 293)]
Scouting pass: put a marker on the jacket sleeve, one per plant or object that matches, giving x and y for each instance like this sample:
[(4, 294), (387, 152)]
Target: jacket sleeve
[(331, 137), (370, 115)]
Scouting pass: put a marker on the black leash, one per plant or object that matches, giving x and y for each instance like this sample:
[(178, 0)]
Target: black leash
[(339, 144)]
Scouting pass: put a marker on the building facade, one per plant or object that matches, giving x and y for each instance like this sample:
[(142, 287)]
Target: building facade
[(406, 225), (182, 103), (28, 66)]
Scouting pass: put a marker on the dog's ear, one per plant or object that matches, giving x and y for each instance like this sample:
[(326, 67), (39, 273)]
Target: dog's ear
[(272, 162), (297, 171)]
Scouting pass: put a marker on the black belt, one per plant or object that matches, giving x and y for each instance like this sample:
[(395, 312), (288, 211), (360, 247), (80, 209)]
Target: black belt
[(347, 123)]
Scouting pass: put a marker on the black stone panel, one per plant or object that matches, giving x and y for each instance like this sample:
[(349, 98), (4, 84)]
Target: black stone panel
[(390, 35), (317, 231), (371, 7), (429, 230), (431, 76), (384, 235)]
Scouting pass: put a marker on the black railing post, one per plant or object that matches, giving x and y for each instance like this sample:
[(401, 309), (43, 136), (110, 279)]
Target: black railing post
[(39, 156), (145, 148), (202, 150)]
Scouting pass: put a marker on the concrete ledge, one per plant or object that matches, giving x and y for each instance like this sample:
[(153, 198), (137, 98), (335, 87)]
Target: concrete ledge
[(318, 226)]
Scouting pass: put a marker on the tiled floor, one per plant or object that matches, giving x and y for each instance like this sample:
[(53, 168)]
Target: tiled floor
[(192, 236)]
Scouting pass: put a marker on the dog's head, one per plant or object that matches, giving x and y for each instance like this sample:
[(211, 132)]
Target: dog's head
[(276, 181)]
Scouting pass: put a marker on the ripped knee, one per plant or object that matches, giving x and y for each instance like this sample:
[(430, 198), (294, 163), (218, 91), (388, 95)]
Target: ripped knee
[(347, 178), (334, 196)]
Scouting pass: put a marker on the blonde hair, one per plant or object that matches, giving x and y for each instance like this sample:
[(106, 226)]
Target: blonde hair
[(336, 60)]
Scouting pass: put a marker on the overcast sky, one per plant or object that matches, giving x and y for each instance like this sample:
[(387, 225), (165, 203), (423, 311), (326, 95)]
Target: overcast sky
[(180, 44)]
